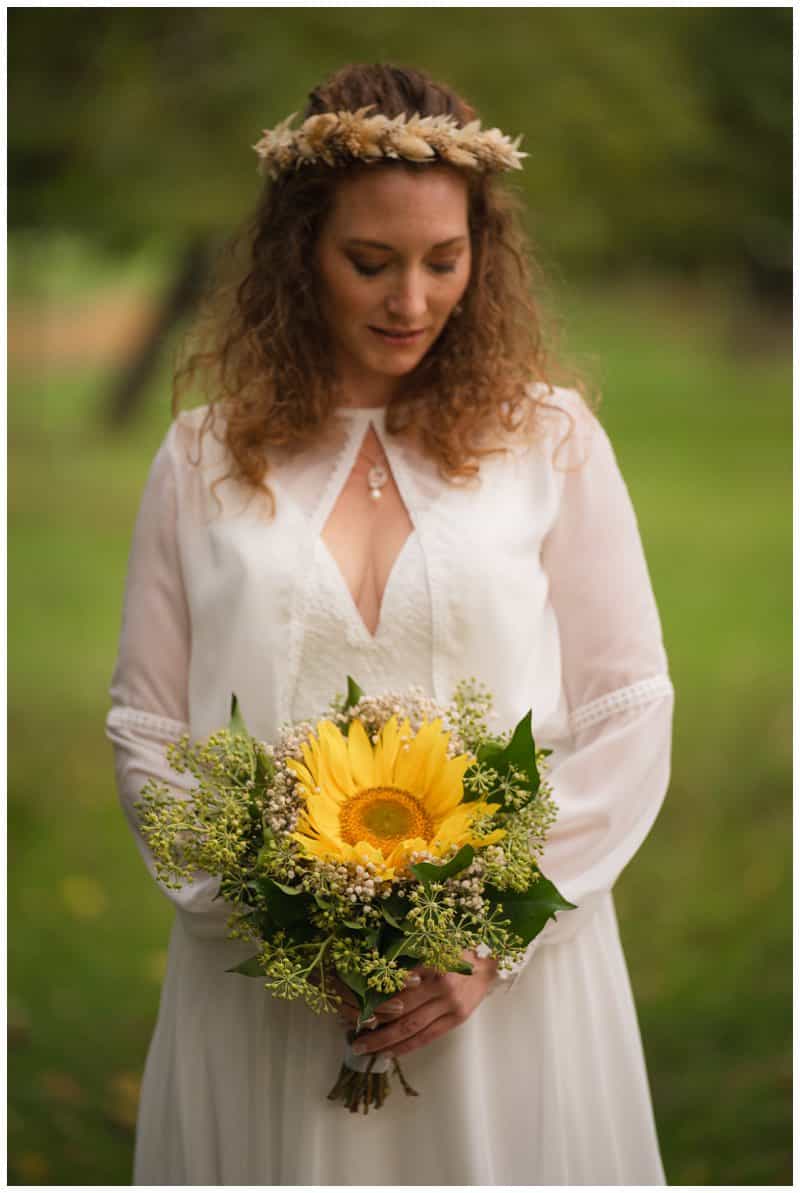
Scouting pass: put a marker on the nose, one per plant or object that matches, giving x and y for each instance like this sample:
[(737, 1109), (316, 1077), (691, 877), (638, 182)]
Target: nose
[(407, 301)]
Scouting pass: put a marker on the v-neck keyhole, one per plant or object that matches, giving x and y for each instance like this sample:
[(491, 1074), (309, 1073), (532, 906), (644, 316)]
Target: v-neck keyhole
[(364, 536)]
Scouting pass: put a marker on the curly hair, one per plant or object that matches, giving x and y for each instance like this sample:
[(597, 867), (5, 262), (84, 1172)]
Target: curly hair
[(262, 350)]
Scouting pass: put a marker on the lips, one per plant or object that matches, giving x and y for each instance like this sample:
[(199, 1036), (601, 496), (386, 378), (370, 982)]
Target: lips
[(391, 336)]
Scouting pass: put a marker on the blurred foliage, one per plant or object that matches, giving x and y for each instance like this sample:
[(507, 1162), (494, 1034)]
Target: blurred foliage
[(657, 135)]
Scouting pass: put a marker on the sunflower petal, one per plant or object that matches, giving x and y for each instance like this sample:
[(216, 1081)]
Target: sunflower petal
[(323, 813), (447, 789), (409, 767), (311, 755), (385, 754), (333, 759), (321, 846), (302, 773), (491, 838), (362, 756), (401, 854)]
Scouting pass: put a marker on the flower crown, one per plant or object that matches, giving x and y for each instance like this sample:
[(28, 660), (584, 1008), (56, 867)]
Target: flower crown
[(338, 137)]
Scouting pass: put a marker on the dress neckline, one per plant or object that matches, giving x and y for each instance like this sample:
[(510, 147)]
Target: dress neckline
[(362, 413)]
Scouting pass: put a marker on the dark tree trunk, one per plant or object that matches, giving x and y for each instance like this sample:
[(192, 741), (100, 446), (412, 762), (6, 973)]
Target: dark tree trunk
[(128, 392)]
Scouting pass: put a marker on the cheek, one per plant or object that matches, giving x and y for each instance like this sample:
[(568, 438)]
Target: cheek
[(344, 296), (457, 287)]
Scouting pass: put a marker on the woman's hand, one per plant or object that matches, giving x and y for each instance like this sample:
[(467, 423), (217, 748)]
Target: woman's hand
[(431, 1004)]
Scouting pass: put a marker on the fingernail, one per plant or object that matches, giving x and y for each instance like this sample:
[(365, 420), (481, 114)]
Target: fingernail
[(393, 1007), (371, 1023), (414, 980)]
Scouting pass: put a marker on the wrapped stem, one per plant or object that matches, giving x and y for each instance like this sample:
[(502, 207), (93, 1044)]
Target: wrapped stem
[(364, 1082)]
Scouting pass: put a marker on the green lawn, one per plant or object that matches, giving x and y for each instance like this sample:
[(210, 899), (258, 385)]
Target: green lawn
[(702, 429)]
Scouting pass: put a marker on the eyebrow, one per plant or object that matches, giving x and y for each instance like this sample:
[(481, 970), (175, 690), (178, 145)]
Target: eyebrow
[(377, 244)]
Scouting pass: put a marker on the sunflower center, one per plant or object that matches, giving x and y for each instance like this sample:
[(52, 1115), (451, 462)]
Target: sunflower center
[(383, 816)]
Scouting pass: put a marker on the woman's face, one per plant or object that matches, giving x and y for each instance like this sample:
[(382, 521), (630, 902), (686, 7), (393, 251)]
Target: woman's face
[(393, 260)]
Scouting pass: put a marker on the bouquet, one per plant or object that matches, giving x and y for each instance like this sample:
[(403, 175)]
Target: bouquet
[(393, 834)]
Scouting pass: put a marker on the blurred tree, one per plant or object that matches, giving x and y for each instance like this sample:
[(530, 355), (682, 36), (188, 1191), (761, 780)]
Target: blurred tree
[(658, 137)]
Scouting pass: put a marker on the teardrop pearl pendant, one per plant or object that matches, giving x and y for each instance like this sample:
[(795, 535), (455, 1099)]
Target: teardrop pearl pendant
[(376, 479)]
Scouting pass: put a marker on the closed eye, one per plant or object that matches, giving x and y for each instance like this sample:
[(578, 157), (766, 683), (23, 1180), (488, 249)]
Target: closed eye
[(367, 271), (372, 271)]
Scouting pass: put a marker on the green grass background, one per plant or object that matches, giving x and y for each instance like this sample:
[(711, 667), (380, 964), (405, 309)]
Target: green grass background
[(698, 409)]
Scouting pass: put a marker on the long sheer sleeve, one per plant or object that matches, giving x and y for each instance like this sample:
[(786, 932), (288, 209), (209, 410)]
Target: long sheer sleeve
[(150, 681), (610, 778)]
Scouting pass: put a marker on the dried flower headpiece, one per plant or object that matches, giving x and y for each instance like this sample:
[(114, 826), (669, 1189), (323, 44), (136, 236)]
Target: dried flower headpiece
[(339, 137)]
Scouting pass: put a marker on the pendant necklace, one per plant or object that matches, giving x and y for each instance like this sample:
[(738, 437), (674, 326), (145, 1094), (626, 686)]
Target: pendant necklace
[(377, 477)]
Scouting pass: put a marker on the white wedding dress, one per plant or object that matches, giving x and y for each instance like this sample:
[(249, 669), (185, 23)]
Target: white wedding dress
[(534, 582)]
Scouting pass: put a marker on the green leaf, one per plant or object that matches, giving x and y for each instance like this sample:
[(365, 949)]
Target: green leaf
[(265, 768), (528, 911), (250, 968), (394, 911), (368, 999), (519, 753), (428, 872), (294, 891), (398, 950), (236, 723), (354, 981), (285, 905), (354, 693), (391, 919), (461, 967)]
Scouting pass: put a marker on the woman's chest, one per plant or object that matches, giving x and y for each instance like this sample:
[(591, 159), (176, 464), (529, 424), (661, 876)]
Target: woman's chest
[(452, 575), (479, 538)]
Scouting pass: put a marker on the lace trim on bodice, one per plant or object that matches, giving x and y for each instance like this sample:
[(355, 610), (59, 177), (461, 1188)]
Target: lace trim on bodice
[(335, 641)]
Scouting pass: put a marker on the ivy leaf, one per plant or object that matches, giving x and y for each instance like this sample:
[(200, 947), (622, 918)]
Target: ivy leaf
[(401, 951), (368, 998), (354, 981), (394, 910), (392, 919), (528, 911), (250, 968), (428, 872), (265, 768), (294, 891), (519, 753), (236, 723), (354, 693), (285, 905)]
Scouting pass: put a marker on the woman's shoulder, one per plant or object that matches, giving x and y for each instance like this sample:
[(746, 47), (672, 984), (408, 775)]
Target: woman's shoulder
[(196, 439), (562, 423)]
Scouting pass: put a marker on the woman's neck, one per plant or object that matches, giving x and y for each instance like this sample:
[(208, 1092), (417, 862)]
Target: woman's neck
[(366, 392)]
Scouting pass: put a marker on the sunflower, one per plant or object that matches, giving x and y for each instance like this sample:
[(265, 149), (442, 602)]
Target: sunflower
[(381, 802)]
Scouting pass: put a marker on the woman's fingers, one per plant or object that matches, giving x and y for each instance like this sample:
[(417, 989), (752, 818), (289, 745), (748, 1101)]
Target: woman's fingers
[(430, 1033), (389, 1036)]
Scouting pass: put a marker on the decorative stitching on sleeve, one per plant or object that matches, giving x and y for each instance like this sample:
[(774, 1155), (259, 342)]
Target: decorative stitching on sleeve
[(125, 717), (636, 695)]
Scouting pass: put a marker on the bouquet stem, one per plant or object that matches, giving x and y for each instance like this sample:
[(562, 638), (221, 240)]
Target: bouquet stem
[(360, 1088)]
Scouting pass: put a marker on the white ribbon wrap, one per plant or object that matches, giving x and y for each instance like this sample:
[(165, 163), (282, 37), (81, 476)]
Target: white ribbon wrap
[(360, 1064)]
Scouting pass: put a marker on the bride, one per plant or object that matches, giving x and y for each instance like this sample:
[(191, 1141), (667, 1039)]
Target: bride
[(386, 482)]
